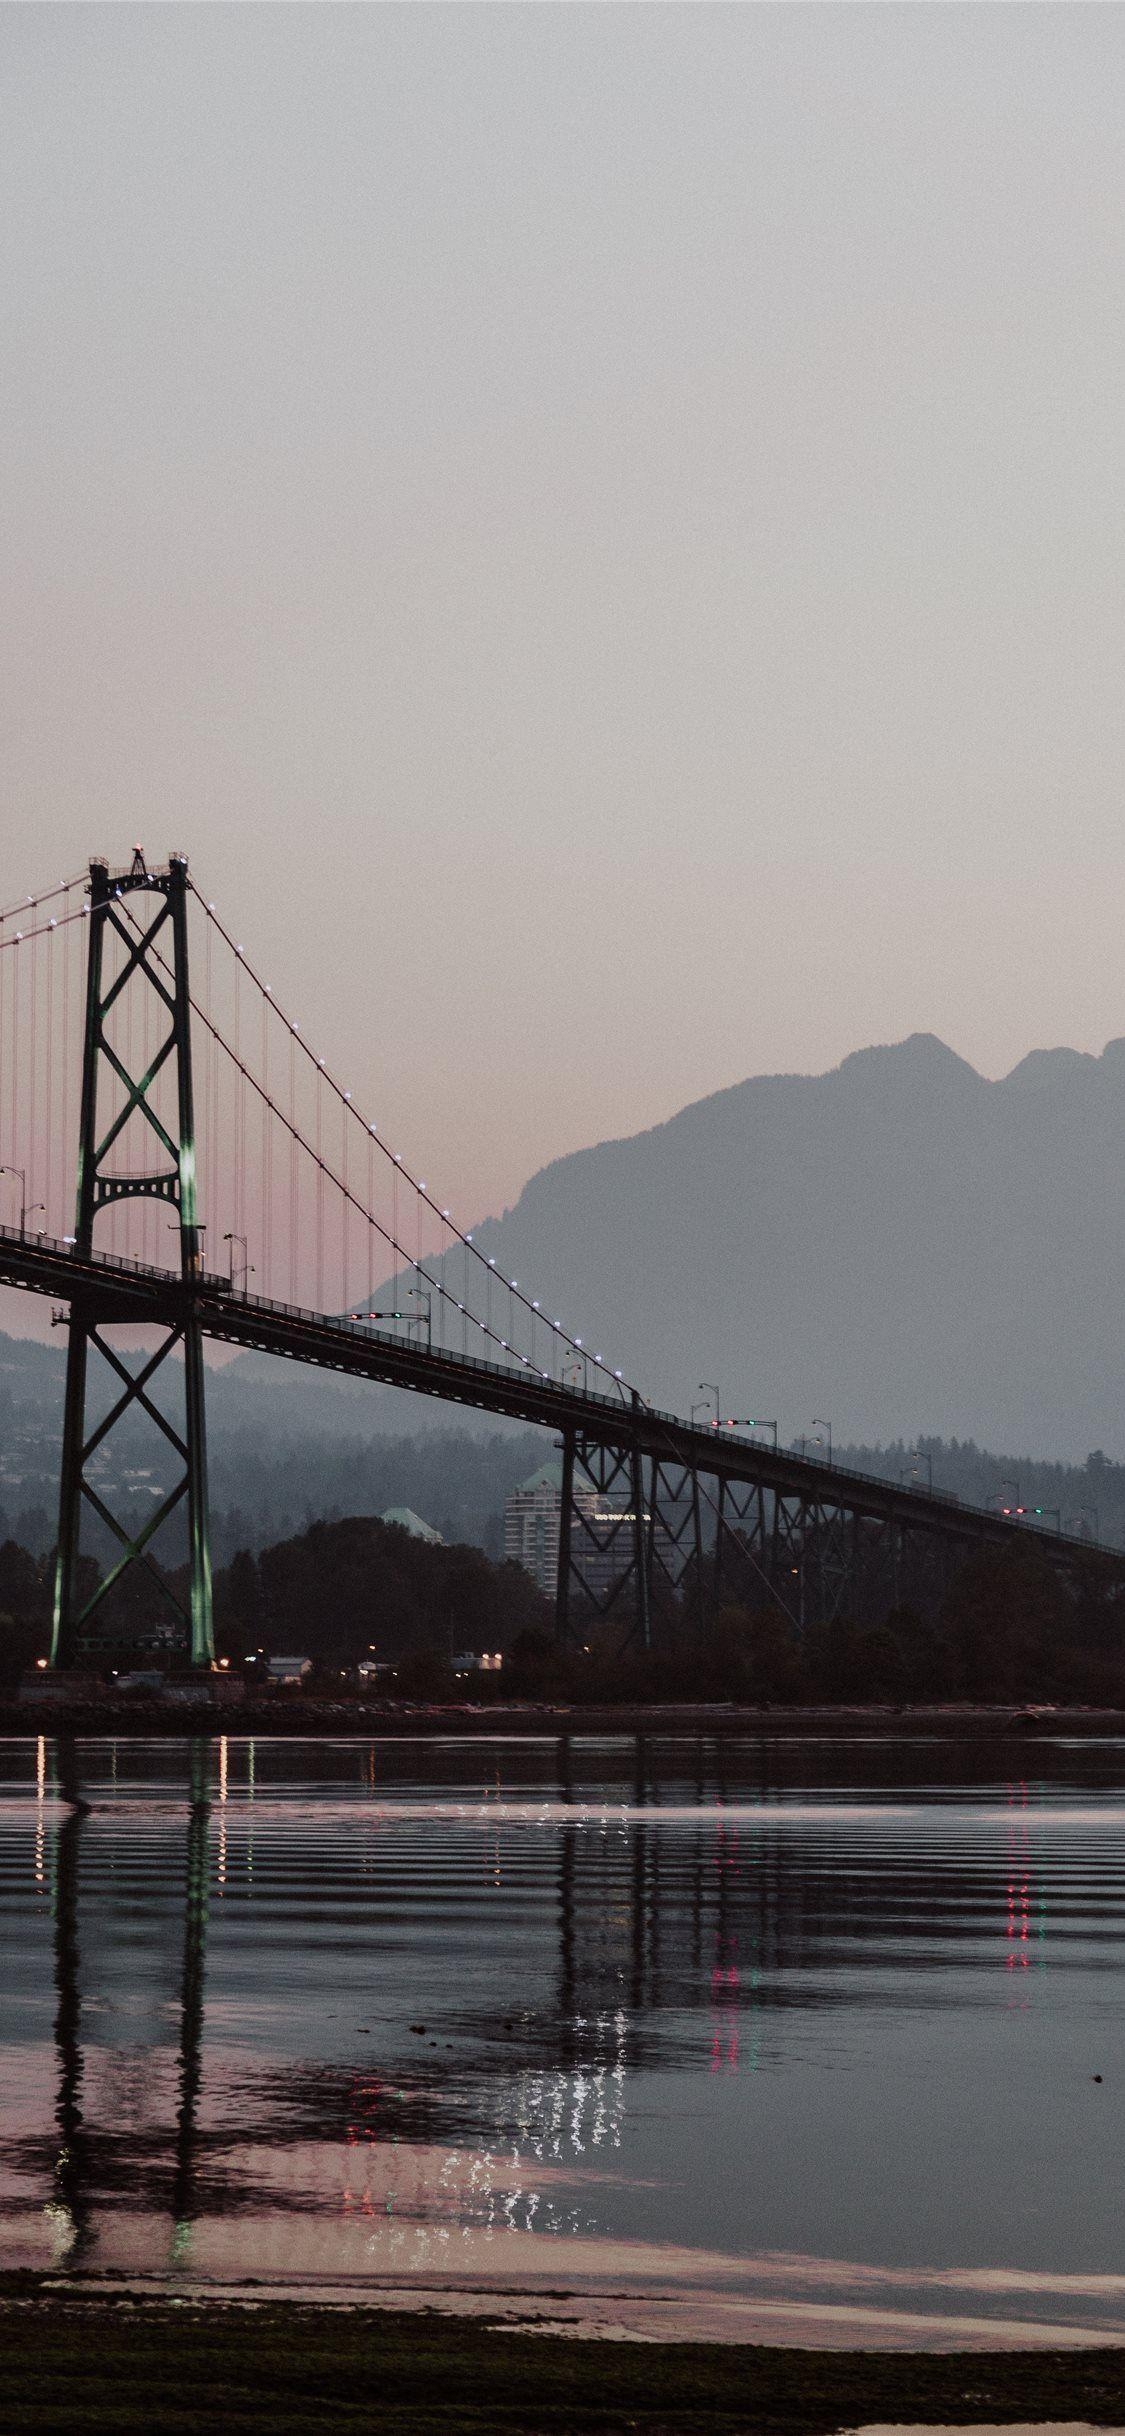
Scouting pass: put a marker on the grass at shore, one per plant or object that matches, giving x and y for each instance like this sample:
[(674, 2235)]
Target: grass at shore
[(96, 2366)]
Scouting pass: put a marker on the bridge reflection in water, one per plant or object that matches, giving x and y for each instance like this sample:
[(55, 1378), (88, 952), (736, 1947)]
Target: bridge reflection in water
[(77, 2164), (634, 2012), (618, 1928), (556, 2108)]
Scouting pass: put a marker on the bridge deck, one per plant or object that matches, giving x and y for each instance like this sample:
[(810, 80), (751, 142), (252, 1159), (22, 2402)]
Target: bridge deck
[(126, 1291)]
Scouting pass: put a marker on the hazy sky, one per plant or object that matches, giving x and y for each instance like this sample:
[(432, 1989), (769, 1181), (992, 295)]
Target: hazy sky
[(600, 529)]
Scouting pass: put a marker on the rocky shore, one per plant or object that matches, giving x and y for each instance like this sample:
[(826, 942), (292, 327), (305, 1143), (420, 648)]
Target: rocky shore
[(288, 1713), (107, 2365)]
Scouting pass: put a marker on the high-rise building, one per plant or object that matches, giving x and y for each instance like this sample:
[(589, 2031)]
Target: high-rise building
[(603, 1549), (531, 1526)]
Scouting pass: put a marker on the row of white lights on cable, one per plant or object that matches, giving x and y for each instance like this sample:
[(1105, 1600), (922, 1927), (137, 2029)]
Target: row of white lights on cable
[(42, 897), (418, 1186), (399, 1249)]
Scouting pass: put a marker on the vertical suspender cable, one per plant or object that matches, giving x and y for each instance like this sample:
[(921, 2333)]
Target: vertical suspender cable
[(128, 1150), (65, 1194), (210, 1163), (319, 1207), (292, 1171), (263, 1180), (49, 1186), (147, 1209), (344, 1303), (224, 1126), (30, 1159), (5, 1049), (239, 1104), (19, 1044), (271, 1287)]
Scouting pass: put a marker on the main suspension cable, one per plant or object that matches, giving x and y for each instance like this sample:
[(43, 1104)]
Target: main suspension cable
[(43, 896), (327, 1175), (462, 1235), (20, 938)]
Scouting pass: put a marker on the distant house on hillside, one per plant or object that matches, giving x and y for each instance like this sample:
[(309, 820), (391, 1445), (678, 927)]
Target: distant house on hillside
[(408, 1520)]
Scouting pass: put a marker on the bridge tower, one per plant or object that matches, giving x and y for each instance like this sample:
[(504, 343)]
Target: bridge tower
[(162, 970)]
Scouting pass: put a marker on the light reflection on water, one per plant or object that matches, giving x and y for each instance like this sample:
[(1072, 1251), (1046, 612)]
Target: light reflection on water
[(793, 2039)]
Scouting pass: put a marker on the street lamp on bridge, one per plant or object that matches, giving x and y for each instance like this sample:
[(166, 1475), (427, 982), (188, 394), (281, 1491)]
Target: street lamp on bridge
[(245, 1271), (708, 1387), (418, 1294), (26, 1206), (826, 1426)]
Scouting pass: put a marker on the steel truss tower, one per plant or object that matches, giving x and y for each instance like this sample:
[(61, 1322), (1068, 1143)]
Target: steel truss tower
[(173, 1183)]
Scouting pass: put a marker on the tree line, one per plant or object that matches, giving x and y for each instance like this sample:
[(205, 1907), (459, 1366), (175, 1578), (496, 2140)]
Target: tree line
[(1009, 1629)]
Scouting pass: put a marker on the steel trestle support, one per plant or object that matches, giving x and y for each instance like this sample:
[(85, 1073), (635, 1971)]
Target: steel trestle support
[(657, 1539)]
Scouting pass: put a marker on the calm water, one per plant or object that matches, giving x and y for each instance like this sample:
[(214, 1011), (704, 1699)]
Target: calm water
[(791, 2038)]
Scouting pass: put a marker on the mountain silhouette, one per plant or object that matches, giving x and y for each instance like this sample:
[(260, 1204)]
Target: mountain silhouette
[(898, 1245)]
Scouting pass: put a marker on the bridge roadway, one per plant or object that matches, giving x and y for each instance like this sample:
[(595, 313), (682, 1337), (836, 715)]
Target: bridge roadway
[(125, 1292)]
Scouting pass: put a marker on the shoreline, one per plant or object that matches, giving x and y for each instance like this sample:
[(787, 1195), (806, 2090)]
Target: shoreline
[(287, 1715), (91, 2361)]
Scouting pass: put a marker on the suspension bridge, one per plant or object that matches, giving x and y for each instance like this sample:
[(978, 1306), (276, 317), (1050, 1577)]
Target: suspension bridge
[(164, 1114)]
